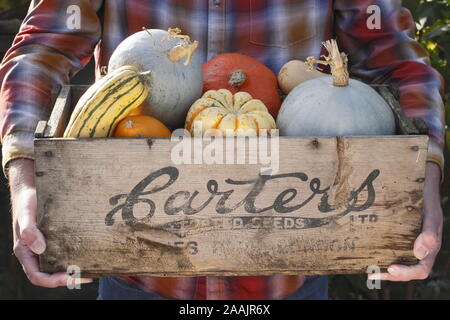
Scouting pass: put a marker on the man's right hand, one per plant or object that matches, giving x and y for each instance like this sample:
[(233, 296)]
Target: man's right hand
[(29, 242)]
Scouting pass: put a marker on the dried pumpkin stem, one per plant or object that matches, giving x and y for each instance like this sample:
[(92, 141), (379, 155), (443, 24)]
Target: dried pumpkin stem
[(103, 71), (186, 48), (337, 62), (182, 50), (176, 33), (237, 79)]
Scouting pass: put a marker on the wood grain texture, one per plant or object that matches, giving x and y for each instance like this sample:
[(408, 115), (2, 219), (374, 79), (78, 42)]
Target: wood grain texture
[(40, 129), (336, 205), (60, 114), (64, 104)]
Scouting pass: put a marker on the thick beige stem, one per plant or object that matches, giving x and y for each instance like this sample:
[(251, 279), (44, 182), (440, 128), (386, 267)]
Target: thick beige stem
[(337, 62)]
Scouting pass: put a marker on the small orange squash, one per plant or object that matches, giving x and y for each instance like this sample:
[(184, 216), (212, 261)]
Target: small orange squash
[(140, 110), (139, 126), (238, 72), (228, 115)]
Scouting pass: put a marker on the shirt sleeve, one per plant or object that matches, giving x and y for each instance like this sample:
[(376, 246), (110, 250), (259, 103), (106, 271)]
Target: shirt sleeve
[(56, 39), (376, 34)]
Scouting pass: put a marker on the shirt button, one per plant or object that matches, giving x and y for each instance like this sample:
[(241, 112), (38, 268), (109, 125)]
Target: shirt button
[(217, 3)]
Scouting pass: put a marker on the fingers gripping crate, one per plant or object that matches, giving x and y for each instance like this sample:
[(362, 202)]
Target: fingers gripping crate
[(116, 206)]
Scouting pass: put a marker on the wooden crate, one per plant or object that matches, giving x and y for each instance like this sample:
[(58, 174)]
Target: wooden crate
[(123, 207)]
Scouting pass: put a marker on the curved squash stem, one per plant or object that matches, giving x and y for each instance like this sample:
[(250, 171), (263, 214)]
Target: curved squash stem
[(176, 33), (182, 50), (186, 48), (337, 62)]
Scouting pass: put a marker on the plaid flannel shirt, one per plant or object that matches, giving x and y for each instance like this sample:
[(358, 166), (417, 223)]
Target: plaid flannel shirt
[(47, 52)]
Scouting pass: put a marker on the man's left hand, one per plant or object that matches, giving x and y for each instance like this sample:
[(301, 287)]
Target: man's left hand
[(428, 243)]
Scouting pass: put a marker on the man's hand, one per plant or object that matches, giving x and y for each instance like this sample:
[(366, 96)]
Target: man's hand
[(28, 240), (428, 243)]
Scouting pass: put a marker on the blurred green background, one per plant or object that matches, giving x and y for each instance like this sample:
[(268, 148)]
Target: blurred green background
[(6, 4), (432, 20)]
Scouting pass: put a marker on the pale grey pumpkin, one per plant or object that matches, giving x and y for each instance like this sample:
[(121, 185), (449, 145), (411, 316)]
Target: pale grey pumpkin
[(176, 80), (334, 105)]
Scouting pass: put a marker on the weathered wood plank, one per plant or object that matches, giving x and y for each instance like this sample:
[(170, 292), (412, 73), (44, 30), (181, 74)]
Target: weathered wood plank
[(336, 205), (40, 129), (60, 114), (64, 104)]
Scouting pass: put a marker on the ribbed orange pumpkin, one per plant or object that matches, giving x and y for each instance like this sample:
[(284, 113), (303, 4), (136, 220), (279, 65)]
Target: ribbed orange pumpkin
[(231, 115), (237, 72), (140, 126)]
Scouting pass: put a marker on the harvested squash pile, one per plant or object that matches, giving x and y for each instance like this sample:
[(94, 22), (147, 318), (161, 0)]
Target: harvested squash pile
[(334, 105), (156, 83), (237, 72), (107, 102), (155, 71)]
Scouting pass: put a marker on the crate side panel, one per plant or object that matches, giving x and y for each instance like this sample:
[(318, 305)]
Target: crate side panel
[(128, 206)]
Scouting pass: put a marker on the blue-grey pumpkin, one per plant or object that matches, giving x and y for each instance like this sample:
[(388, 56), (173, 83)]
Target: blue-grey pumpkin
[(335, 105), (176, 80)]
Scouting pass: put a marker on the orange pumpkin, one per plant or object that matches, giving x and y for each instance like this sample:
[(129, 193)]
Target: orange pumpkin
[(237, 72), (139, 126), (137, 111)]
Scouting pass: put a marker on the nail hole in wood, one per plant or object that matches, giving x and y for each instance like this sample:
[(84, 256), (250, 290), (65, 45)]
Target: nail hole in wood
[(315, 143)]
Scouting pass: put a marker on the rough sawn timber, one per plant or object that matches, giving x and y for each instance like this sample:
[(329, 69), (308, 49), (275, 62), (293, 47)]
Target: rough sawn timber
[(123, 207)]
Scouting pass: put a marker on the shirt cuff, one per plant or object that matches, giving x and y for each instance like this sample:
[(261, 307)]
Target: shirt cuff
[(15, 145), (436, 155)]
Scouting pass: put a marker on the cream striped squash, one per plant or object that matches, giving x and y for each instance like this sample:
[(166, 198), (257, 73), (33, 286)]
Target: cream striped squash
[(228, 115)]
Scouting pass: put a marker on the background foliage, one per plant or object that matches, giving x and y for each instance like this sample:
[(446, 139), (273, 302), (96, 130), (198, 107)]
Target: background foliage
[(433, 32), (6, 4), (432, 20)]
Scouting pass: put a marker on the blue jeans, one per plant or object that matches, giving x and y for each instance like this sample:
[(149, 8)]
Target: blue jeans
[(114, 288)]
